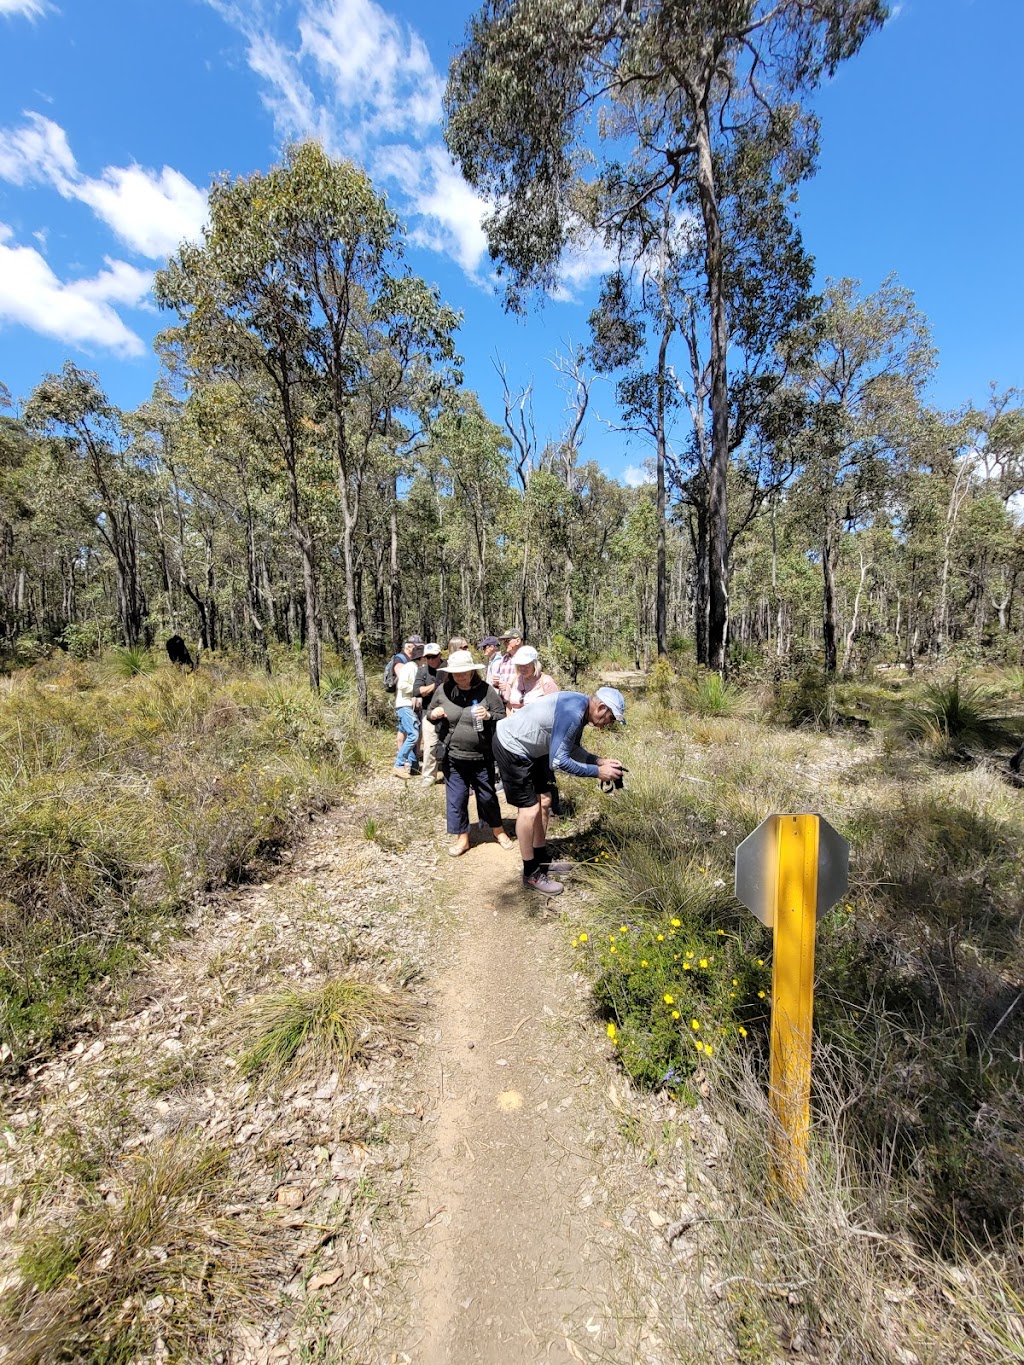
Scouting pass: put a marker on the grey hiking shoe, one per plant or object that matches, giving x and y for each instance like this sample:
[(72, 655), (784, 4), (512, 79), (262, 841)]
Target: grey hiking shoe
[(558, 868), (540, 881)]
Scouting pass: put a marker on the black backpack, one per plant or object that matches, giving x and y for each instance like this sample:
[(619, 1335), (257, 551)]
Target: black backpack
[(391, 672)]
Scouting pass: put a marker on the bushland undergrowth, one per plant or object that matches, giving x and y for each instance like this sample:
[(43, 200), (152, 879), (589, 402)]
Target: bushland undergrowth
[(919, 1007), (120, 798)]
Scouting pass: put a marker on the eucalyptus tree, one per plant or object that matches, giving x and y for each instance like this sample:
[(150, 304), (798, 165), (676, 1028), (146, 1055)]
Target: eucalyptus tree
[(668, 85), (302, 265), (862, 368), (240, 315), (472, 454), (95, 466)]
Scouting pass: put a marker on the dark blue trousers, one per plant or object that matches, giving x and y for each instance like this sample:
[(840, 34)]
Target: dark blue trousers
[(462, 777)]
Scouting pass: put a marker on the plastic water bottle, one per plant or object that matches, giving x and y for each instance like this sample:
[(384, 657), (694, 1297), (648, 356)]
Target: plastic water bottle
[(479, 722)]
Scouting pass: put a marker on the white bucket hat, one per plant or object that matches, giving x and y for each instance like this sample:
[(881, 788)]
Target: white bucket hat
[(461, 661)]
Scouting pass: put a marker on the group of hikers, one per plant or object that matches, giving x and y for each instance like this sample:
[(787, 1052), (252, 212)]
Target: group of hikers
[(501, 723)]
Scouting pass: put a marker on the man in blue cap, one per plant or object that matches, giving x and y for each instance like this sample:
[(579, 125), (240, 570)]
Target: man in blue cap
[(534, 744)]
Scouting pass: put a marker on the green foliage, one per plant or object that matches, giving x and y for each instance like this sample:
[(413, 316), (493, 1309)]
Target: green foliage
[(660, 683), (674, 993), (571, 657), (132, 661), (810, 700), (83, 640), (121, 803), (951, 716), (711, 695)]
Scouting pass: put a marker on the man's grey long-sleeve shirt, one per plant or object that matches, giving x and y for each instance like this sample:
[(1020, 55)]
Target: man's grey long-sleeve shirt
[(551, 727)]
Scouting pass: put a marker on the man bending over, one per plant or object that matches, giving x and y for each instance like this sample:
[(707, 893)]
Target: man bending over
[(533, 745)]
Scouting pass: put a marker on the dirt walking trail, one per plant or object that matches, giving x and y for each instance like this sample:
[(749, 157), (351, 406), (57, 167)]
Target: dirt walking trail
[(484, 1189), (516, 1259)]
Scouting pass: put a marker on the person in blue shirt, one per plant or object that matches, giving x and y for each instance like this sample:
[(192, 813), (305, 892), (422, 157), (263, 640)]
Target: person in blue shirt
[(530, 747)]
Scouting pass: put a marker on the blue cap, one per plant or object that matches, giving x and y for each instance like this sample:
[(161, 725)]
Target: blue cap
[(488, 640)]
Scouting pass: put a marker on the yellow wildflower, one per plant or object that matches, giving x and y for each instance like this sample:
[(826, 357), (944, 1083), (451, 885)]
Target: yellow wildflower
[(623, 928), (643, 962), (583, 938), (707, 1049), (675, 1014), (668, 999), (699, 1045), (703, 962), (741, 1031), (760, 995), (612, 1031), (695, 1024), (661, 938)]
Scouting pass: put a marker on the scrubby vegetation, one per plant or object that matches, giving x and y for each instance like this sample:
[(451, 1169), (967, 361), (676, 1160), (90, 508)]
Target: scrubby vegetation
[(918, 1164), (126, 792)]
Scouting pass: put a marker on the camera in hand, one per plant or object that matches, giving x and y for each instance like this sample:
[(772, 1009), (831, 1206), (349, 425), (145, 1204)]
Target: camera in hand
[(612, 784)]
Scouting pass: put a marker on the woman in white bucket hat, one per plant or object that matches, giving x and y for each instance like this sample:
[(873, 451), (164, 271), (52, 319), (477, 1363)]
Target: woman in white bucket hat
[(466, 712)]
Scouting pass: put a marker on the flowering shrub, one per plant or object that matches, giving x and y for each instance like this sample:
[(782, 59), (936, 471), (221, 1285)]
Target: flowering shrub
[(673, 994)]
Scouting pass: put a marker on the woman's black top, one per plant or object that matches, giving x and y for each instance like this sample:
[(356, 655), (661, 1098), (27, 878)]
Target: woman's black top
[(459, 735)]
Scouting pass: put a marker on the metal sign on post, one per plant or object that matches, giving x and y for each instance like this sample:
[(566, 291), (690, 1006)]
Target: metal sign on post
[(789, 872)]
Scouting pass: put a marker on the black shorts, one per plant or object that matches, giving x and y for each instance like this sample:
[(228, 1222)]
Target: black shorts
[(525, 779)]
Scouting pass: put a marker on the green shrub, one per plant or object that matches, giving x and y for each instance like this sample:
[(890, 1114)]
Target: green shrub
[(951, 716), (711, 695), (673, 992), (810, 700), (661, 683), (120, 803)]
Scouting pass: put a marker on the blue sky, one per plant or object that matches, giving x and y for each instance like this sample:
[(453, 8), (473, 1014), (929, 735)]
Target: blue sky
[(116, 114)]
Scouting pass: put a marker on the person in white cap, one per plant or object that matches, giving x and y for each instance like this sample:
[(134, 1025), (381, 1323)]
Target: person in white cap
[(423, 699), (534, 744), (530, 682)]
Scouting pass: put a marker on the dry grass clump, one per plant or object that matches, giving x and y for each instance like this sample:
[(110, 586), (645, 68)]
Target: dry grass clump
[(315, 1030), (153, 1268), (122, 799), (837, 1276)]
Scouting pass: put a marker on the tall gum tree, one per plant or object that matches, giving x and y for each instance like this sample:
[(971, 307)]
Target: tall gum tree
[(72, 406), (533, 100), (305, 261)]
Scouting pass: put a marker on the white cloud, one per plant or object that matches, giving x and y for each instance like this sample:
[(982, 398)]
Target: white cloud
[(362, 82), (153, 213), (78, 312), (30, 9), (452, 211), (150, 211), (634, 477), (37, 152)]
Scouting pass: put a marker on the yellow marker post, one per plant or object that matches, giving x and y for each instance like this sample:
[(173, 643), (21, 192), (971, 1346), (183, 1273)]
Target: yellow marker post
[(795, 916), (790, 870)]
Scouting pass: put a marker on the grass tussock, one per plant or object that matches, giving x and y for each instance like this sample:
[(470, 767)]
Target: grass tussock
[(837, 1276), (313, 1031), (148, 1259), (119, 800), (953, 717)]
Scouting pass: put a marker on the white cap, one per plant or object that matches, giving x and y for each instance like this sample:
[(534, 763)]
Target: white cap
[(525, 654), (432, 648)]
